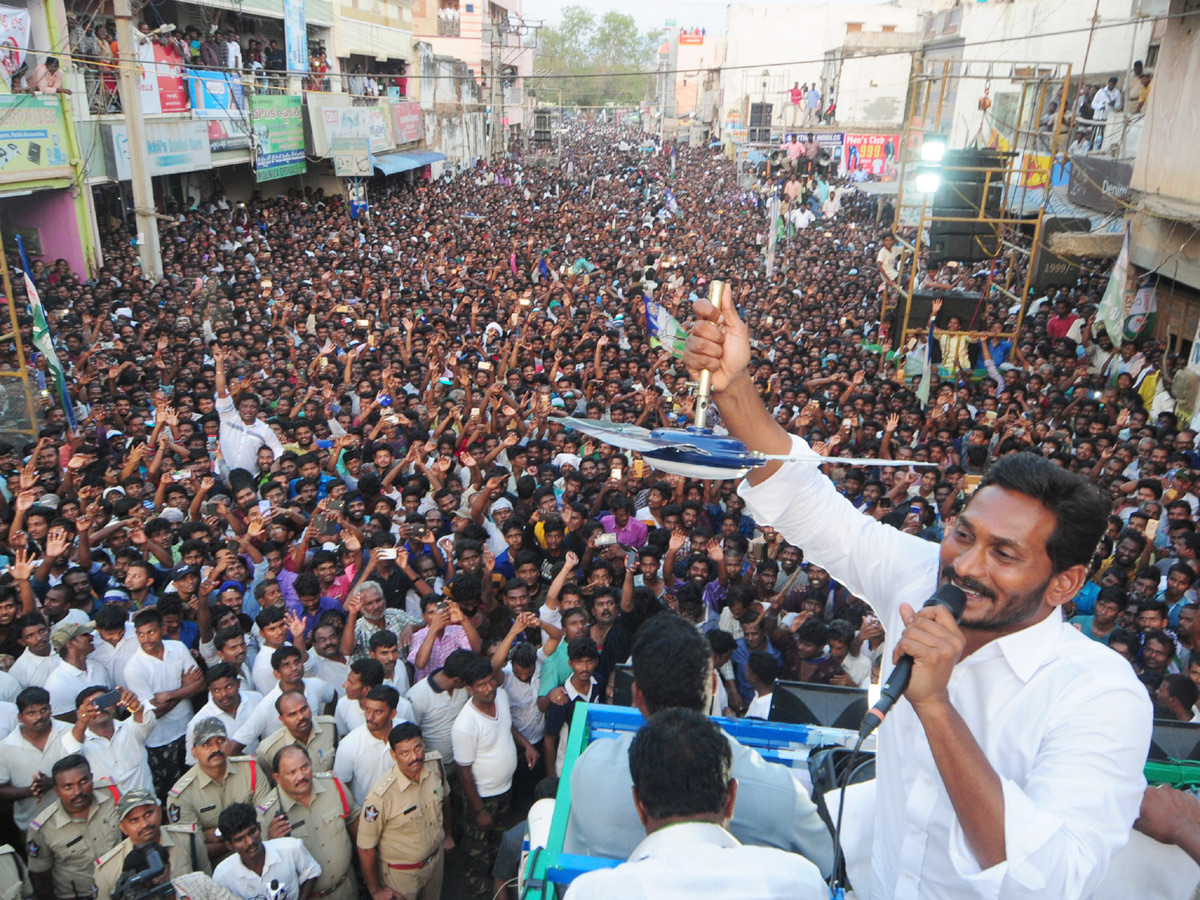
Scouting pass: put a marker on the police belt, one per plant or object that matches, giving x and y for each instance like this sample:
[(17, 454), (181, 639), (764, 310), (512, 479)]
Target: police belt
[(341, 881), (417, 865)]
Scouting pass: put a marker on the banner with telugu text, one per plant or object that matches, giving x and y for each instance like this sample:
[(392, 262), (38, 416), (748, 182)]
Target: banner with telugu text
[(277, 124)]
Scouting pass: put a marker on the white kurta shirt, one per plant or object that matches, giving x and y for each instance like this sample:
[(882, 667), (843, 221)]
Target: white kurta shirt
[(1063, 721)]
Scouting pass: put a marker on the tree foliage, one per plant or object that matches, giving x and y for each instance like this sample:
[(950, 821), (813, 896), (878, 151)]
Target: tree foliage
[(583, 45)]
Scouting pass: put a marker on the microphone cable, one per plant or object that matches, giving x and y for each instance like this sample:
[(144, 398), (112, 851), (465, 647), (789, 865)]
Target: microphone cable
[(836, 889)]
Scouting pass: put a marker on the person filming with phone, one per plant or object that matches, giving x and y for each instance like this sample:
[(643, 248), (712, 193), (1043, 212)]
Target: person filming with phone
[(1014, 769)]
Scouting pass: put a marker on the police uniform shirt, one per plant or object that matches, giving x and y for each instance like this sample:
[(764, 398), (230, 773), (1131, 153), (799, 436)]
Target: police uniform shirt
[(185, 848), (14, 882), (321, 745), (402, 818), (322, 826), (67, 847), (246, 705), (197, 798)]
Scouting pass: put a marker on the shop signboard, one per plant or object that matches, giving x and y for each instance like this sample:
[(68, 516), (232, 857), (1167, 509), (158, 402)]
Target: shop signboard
[(216, 95), (277, 123), (875, 154), (295, 36), (409, 125), (172, 148), (33, 138), (365, 122), (162, 82)]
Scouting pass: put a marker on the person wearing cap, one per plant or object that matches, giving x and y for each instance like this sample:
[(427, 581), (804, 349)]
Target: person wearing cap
[(65, 838), (115, 748), (319, 810), (404, 832), (140, 819), (28, 754), (73, 644), (215, 782)]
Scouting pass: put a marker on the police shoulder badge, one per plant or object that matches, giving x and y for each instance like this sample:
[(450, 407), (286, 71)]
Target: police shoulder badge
[(33, 849), (370, 814), (173, 813)]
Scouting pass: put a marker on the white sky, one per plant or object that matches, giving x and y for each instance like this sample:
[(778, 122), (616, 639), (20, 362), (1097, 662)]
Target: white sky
[(652, 14)]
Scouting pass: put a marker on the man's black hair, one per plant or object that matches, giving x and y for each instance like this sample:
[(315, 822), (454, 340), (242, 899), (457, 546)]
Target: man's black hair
[(369, 671), (672, 665), (405, 731), (1079, 508), (696, 782), (386, 694), (235, 819)]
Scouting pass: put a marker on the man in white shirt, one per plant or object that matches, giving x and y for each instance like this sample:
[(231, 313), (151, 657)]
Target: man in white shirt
[(228, 702), (486, 756), (365, 755), (254, 863), (1012, 768), (264, 719), (685, 808), (888, 260), (28, 754), (115, 749), (33, 667), (118, 641), (437, 700), (73, 644), (242, 432), (163, 674)]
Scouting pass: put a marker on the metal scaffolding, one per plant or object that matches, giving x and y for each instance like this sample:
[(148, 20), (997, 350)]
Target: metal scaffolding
[(1027, 144)]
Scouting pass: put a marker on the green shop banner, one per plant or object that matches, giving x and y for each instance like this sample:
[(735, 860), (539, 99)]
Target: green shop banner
[(33, 138), (277, 123)]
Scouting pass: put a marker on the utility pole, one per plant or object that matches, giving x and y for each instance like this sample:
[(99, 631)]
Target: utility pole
[(495, 90), (149, 250)]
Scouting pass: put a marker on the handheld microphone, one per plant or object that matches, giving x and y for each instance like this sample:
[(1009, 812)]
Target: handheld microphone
[(954, 600)]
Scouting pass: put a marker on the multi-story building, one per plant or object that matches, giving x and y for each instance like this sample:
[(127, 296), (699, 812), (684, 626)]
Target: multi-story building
[(494, 40)]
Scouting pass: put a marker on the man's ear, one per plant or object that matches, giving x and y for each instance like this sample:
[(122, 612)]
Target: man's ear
[(730, 800), (643, 816), (1065, 585), (639, 701)]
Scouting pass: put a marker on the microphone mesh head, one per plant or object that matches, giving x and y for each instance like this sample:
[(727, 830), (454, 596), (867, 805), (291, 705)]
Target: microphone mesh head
[(951, 597)]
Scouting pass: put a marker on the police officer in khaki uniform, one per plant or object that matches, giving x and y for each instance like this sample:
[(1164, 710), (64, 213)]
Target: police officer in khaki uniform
[(215, 782), (141, 823), (319, 810), (65, 838), (404, 831), (317, 735), (14, 880)]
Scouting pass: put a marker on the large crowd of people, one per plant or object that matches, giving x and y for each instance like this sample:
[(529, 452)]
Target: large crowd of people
[(320, 535)]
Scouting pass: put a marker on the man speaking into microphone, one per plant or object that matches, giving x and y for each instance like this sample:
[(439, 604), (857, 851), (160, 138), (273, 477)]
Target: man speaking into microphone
[(1012, 767)]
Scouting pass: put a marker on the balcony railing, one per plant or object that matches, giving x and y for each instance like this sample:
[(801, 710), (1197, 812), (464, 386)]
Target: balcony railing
[(449, 28)]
